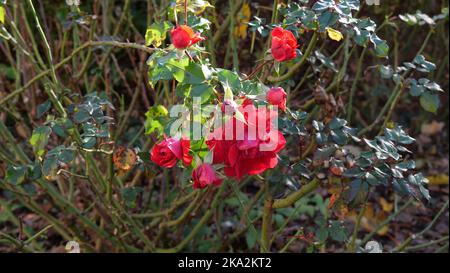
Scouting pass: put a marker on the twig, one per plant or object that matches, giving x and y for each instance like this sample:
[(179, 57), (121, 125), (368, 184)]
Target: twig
[(67, 59), (295, 196), (411, 238)]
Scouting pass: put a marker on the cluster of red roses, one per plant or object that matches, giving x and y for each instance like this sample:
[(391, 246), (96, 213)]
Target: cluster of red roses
[(247, 152)]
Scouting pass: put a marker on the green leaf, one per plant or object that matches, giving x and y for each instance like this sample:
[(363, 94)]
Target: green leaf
[(355, 188), (49, 167), (39, 139), (326, 61), (322, 234), (381, 46), (430, 102), (400, 186), (386, 71), (371, 179), (16, 175), (324, 153), (353, 172), (339, 137), (433, 86), (425, 66), (416, 89), (35, 171), (190, 74), (130, 195), (322, 5), (406, 165), (327, 19), (202, 91), (163, 66), (337, 123), (155, 118), (231, 78), (250, 238), (81, 115), (43, 108), (338, 232), (157, 33)]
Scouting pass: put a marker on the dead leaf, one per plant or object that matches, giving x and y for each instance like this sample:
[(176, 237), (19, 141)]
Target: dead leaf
[(385, 205), (243, 18), (124, 159), (438, 179), (371, 220), (432, 128)]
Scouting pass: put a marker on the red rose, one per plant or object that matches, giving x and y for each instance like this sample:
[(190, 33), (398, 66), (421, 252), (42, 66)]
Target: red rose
[(167, 152), (284, 45), (204, 175), (247, 148), (183, 37), (277, 96)]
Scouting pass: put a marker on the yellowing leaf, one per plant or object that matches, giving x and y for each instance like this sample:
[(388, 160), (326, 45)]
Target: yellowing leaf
[(157, 33), (385, 205), (432, 128), (390, 125), (243, 18), (195, 6), (2, 15), (334, 34), (438, 179), (371, 220)]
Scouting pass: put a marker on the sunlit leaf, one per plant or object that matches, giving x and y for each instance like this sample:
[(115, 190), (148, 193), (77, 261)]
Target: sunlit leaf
[(334, 34)]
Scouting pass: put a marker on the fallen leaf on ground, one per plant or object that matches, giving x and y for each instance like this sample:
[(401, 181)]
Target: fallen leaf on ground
[(432, 128)]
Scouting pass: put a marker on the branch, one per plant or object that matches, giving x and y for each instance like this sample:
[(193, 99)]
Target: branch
[(295, 196), (68, 58)]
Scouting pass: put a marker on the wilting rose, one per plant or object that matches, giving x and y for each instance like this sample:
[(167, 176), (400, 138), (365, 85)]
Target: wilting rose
[(183, 37), (167, 152), (284, 45), (277, 96), (204, 175), (250, 147)]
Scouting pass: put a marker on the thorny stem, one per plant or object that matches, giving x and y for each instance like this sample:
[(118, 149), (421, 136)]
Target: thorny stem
[(47, 46), (198, 226), (295, 196)]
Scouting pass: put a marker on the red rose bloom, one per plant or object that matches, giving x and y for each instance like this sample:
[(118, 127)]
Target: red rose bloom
[(284, 45), (184, 37), (204, 175), (277, 96), (247, 148), (167, 152)]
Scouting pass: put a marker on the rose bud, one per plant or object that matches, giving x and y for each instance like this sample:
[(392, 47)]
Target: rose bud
[(167, 152), (184, 37), (284, 45), (228, 107), (204, 175), (277, 96)]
